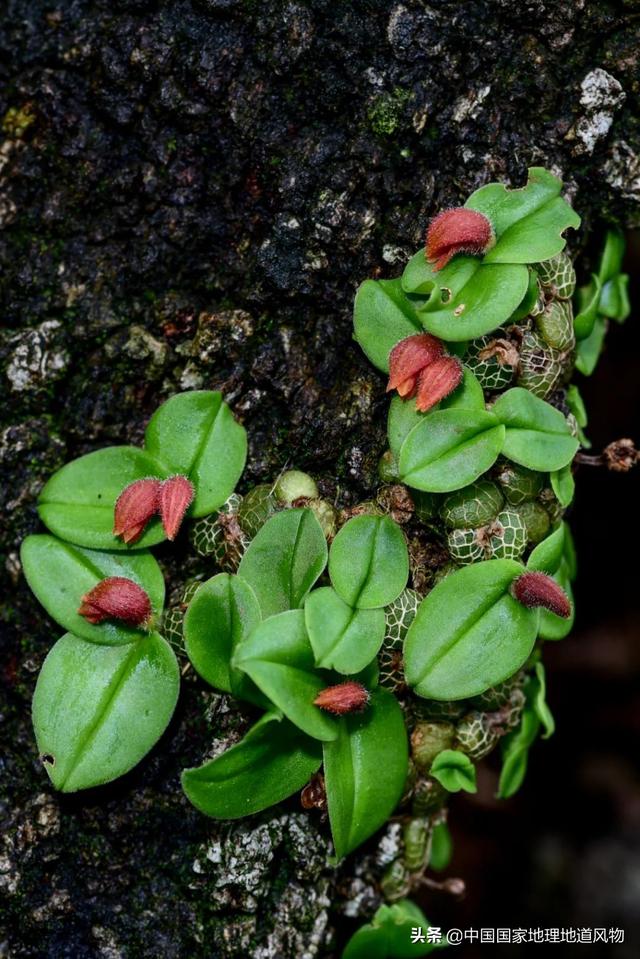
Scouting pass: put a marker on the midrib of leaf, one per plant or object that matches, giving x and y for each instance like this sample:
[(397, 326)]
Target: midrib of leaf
[(481, 611), (292, 558), (341, 634), (209, 424), (107, 700), (454, 450), (367, 576)]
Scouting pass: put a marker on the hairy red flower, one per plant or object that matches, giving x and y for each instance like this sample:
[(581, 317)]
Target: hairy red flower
[(176, 496), (437, 381), (457, 231), (135, 506), (407, 360), (537, 589), (349, 697), (116, 598)]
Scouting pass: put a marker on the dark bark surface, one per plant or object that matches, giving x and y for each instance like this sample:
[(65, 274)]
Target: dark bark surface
[(190, 193)]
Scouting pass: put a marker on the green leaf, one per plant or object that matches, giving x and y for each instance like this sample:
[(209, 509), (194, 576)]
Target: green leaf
[(450, 449), (369, 562), (271, 763), (383, 316), (612, 255), (529, 299), (588, 351), (284, 560), (196, 435), (97, 710), (441, 847), (538, 436), (515, 753), (576, 405), (547, 555), (389, 935), (469, 633), (539, 700), (528, 222), (588, 303), (365, 771), (77, 502), (403, 415), (563, 485), (455, 771), (278, 657), (570, 557), (467, 298), (60, 574), (614, 299), (554, 627), (343, 638), (223, 612)]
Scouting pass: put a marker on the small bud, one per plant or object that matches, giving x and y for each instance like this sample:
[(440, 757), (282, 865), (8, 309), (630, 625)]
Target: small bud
[(537, 589), (407, 360), (116, 598), (437, 381), (176, 496), (621, 455), (294, 485), (349, 697), (458, 231), (135, 506)]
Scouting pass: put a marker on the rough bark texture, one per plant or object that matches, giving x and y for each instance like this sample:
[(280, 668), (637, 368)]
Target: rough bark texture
[(189, 194)]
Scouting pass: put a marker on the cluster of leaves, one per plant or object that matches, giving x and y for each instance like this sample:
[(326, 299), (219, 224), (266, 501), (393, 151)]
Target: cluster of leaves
[(267, 636), (107, 690)]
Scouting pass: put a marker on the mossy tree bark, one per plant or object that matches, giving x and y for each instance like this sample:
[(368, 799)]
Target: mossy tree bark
[(189, 194)]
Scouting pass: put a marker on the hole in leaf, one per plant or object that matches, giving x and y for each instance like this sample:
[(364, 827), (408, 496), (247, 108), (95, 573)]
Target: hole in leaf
[(48, 759), (446, 294)]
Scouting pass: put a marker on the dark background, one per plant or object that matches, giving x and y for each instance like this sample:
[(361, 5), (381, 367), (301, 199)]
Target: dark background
[(190, 192)]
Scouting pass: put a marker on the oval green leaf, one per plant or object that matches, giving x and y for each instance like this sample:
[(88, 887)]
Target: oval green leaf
[(284, 560), (481, 305), (547, 555), (343, 638), (196, 435), (273, 761), (587, 314), (528, 222), (279, 659), (389, 935), (97, 710), (563, 485), (537, 435), (403, 415), (554, 627), (450, 449), (382, 316), (369, 562), (515, 753), (60, 574), (365, 771), (455, 771), (588, 351), (469, 633), (77, 502), (223, 612)]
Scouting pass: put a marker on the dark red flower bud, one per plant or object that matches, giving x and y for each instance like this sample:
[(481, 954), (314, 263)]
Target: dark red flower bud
[(407, 360), (116, 598), (349, 697), (437, 381), (135, 506), (458, 231), (537, 589), (176, 496)]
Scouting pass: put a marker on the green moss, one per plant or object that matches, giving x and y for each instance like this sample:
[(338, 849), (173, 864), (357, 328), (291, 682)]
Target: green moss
[(385, 113)]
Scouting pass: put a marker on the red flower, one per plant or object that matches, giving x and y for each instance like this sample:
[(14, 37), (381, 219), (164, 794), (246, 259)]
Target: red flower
[(176, 496), (116, 598), (349, 697), (135, 506), (457, 231), (437, 381), (407, 360), (537, 589)]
